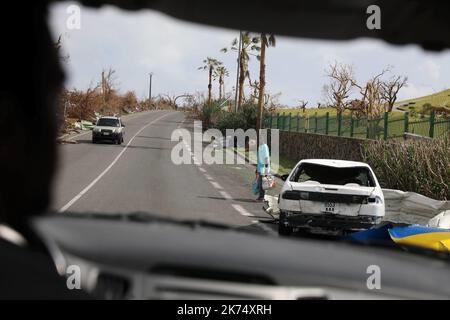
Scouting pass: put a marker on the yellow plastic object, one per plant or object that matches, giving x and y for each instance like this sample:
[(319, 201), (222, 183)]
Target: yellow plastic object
[(435, 240)]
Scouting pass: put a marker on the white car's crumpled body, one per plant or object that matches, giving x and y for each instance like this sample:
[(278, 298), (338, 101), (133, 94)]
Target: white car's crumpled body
[(349, 205)]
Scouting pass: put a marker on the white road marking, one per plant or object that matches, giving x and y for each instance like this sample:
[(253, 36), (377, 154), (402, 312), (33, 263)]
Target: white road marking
[(241, 210), (266, 228), (85, 190), (216, 185), (226, 195)]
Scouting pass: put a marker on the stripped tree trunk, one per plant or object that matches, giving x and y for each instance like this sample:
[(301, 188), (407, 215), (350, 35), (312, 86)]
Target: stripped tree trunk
[(242, 75), (220, 87), (262, 83), (210, 85)]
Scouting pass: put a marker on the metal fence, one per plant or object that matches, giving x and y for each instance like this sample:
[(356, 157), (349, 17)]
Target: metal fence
[(388, 126)]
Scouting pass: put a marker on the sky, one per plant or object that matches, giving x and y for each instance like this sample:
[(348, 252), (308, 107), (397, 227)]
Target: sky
[(137, 43)]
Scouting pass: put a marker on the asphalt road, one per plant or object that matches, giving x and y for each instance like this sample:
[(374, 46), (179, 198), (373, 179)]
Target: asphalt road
[(140, 176)]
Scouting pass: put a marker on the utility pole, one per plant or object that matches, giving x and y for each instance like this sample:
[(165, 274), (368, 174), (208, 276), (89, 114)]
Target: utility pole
[(237, 72), (150, 87)]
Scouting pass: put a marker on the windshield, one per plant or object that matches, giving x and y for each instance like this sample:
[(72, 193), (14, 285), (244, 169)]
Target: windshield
[(332, 175), (105, 122), (217, 118)]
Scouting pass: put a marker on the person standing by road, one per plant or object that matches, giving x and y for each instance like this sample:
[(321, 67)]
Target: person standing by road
[(262, 168)]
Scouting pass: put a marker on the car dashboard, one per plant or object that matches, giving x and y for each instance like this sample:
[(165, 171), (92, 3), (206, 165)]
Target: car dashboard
[(139, 260)]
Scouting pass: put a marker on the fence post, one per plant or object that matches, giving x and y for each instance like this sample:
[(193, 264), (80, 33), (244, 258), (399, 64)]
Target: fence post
[(290, 121), (298, 122), (385, 126), (406, 129), (351, 124), (315, 122), (339, 118), (368, 127), (278, 120), (284, 121), (270, 120), (327, 121), (432, 118)]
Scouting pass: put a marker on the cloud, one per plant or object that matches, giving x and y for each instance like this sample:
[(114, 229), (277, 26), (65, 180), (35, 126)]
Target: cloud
[(431, 69), (414, 91)]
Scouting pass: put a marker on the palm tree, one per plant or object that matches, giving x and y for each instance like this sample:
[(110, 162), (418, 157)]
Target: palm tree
[(210, 64), (220, 73), (249, 45), (266, 41)]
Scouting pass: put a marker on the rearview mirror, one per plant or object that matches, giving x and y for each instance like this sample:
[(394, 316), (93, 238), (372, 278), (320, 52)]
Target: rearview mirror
[(284, 177), (123, 126)]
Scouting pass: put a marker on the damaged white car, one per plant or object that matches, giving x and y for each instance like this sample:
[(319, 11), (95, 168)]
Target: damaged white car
[(330, 196)]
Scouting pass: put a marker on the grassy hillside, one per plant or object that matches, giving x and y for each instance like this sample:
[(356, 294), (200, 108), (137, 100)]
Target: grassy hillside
[(322, 111), (308, 111), (439, 99)]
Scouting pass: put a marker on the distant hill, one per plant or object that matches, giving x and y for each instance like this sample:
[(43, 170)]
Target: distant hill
[(439, 99)]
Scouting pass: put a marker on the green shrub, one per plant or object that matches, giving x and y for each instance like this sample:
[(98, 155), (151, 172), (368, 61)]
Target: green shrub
[(417, 166), (209, 115), (231, 120), (249, 112), (427, 108), (245, 118)]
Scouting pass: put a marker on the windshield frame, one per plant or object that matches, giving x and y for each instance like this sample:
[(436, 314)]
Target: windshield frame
[(110, 120)]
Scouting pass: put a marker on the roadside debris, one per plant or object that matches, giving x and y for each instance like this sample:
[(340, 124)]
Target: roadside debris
[(84, 125), (411, 207), (64, 140), (442, 220)]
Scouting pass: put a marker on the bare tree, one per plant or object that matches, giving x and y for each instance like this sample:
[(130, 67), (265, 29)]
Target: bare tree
[(58, 47), (372, 100), (83, 103), (186, 96), (302, 105), (254, 85), (166, 101), (107, 85), (129, 101), (390, 89), (341, 83), (272, 101)]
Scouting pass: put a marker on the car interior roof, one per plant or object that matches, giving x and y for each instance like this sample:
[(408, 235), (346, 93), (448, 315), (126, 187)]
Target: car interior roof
[(403, 21)]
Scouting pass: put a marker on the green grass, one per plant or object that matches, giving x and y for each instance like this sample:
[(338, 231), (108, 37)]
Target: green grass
[(439, 99)]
